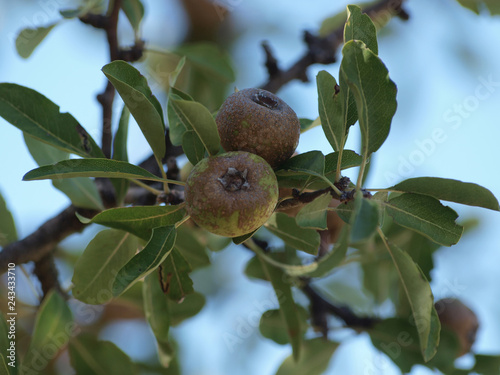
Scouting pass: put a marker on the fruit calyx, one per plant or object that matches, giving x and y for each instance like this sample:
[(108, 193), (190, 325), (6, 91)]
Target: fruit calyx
[(264, 100), (234, 180)]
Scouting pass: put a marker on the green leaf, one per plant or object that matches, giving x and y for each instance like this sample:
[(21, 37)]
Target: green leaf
[(191, 248), (138, 220), (120, 153), (174, 277), (359, 26), (82, 191), (192, 305), (449, 190), (8, 232), (146, 261), (29, 38), (37, 116), (476, 5), (172, 77), (273, 327), (89, 355), (92, 282), (134, 10), (286, 228), (176, 126), (195, 116), (373, 91), (366, 220), (289, 311), (143, 105), (313, 215), (4, 370), (53, 328), (419, 294), (156, 310), (307, 124), (425, 215), (350, 159), (91, 168), (331, 260), (314, 360), (208, 58), (487, 364), (330, 107), (240, 239), (309, 163), (193, 147)]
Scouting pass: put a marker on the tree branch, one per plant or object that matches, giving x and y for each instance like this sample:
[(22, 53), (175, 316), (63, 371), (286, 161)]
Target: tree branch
[(322, 50)]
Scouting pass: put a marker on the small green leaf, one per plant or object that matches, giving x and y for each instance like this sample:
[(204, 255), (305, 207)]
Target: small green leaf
[(350, 159), (286, 228), (4, 370), (193, 147), (240, 239), (374, 93), (90, 168), (192, 305), (476, 5), (176, 126), (425, 215), (134, 10), (289, 311), (28, 39), (316, 356), (208, 58), (330, 107), (419, 294), (82, 191), (143, 105), (487, 364), (88, 355), (156, 310), (309, 163), (307, 124), (359, 26), (92, 282), (53, 328), (366, 219), (195, 116), (449, 190), (8, 232), (120, 153), (146, 261), (273, 327), (331, 260), (138, 220), (37, 116), (172, 78), (191, 248), (313, 215), (174, 276)]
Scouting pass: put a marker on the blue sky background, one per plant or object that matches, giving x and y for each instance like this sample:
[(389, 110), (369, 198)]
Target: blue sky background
[(445, 62)]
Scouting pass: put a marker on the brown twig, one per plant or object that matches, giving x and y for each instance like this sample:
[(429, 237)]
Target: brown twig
[(322, 50), (46, 272)]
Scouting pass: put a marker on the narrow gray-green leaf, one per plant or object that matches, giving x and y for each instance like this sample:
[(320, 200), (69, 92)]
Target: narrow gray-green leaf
[(476, 5), (93, 281), (450, 190), (88, 355), (172, 77), (143, 105), (286, 228), (313, 215), (146, 261), (37, 116), (176, 126), (193, 147), (311, 163), (120, 153), (197, 117), (359, 26), (273, 327), (289, 311), (374, 92), (138, 220), (53, 328), (331, 260), (134, 10), (420, 298), (175, 280), (191, 247), (192, 305), (8, 232), (330, 107), (426, 215), (316, 356), (157, 312), (90, 168), (82, 191), (28, 39), (366, 219)]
